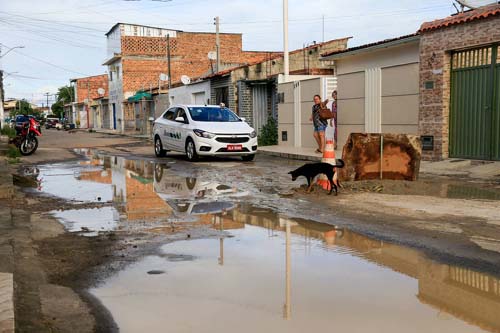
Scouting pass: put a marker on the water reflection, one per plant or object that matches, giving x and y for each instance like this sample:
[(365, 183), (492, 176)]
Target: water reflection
[(315, 276)]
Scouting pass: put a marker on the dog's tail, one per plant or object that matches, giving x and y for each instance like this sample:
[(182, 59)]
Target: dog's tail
[(340, 163)]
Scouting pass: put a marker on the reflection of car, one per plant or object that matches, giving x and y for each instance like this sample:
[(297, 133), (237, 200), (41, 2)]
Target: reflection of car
[(204, 130), (172, 186), (212, 207)]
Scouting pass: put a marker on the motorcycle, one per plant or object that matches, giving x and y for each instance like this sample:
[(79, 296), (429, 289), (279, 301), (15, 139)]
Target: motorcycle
[(26, 140)]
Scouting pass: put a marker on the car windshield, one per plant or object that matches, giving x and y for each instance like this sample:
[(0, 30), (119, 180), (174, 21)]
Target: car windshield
[(215, 114)]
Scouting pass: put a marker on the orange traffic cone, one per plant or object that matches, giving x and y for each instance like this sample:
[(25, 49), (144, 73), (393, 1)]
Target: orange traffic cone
[(328, 157)]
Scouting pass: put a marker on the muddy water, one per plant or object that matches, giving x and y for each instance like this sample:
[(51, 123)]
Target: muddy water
[(280, 275), (267, 272)]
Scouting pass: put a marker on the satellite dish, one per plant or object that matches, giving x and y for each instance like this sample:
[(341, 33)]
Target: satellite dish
[(163, 77), (185, 79), (101, 91), (472, 4), (212, 55)]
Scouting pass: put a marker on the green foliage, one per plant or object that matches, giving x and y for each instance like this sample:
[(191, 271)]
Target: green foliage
[(23, 107), (13, 152), (6, 130), (269, 133), (65, 95)]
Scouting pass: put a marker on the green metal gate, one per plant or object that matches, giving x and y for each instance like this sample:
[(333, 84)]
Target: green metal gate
[(475, 104)]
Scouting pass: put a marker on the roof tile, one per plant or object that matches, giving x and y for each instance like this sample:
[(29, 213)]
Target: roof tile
[(468, 16)]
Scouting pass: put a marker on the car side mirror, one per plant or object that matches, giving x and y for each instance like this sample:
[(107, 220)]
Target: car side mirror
[(151, 119), (243, 119), (180, 120)]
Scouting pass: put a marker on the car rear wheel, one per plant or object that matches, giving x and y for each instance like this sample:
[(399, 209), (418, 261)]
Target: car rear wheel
[(159, 151), (248, 158), (191, 153)]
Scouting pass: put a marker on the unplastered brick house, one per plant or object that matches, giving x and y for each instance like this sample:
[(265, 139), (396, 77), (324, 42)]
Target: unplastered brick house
[(460, 85), (87, 89), (137, 55)]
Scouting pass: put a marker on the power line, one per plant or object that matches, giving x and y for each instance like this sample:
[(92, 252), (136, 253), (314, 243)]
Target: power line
[(48, 63)]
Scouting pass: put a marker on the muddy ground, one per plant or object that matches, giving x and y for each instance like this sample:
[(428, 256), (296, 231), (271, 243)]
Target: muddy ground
[(452, 220)]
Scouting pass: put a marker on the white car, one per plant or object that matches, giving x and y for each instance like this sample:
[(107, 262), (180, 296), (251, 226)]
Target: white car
[(201, 130)]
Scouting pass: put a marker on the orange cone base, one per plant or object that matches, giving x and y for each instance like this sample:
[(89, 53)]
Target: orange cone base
[(324, 183)]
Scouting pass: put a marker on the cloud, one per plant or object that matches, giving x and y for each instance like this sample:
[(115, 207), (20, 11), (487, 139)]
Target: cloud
[(70, 33)]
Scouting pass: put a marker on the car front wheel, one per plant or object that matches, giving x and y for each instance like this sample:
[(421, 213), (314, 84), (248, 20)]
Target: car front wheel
[(191, 153), (159, 151)]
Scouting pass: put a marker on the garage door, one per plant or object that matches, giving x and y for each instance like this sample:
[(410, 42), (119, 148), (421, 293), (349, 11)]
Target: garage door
[(475, 105)]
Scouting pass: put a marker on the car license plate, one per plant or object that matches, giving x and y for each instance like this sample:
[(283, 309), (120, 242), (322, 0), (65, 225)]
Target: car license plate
[(234, 147)]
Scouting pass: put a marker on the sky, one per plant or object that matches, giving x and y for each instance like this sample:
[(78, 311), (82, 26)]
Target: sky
[(65, 39)]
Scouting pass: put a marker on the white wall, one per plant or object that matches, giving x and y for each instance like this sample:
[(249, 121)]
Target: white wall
[(185, 94), (387, 57)]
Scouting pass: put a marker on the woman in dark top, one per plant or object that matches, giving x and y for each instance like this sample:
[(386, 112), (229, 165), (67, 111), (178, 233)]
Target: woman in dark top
[(319, 124)]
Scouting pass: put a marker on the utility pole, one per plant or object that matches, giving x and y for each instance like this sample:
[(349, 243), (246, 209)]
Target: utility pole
[(217, 43), (168, 60), (2, 114), (323, 40), (47, 95), (286, 64), (88, 103)]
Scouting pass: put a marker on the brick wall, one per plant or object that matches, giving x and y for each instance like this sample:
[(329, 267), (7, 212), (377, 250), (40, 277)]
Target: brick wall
[(91, 84), (435, 57), (144, 58)]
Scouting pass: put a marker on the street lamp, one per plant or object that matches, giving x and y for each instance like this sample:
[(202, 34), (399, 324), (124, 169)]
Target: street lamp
[(12, 48), (2, 115)]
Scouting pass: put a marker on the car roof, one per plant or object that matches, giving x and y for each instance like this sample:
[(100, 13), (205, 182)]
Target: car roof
[(198, 106)]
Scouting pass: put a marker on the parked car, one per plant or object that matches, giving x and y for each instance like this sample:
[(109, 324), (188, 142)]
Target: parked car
[(51, 122), (22, 119), (201, 130)]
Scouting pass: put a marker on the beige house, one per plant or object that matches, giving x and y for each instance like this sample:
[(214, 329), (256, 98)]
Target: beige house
[(295, 97), (378, 87)]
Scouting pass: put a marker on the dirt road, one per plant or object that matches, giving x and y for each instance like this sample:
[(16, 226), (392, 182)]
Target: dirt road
[(122, 204)]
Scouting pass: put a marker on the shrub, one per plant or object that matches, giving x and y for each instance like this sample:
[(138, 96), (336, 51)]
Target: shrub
[(269, 133), (13, 152), (8, 131)]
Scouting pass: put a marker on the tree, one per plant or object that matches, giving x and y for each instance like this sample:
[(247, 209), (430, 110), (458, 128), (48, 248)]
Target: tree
[(65, 95), (22, 107)]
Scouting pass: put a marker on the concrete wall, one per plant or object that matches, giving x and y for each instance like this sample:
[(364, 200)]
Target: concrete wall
[(287, 116), (185, 94), (396, 87)]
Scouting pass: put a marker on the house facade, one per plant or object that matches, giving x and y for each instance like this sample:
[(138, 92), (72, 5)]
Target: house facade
[(378, 87), (459, 85), (137, 55), (251, 90), (87, 89)]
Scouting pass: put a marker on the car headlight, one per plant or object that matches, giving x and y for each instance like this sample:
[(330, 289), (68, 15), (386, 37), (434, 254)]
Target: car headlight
[(253, 134), (203, 134)]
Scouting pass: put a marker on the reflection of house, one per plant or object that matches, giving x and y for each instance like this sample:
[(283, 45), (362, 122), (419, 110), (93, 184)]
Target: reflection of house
[(133, 190), (466, 294)]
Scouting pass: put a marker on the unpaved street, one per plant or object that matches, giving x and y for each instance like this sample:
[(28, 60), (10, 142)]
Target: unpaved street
[(106, 237)]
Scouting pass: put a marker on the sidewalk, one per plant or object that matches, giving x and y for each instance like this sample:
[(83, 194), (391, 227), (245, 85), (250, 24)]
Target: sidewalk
[(308, 154), (6, 253), (131, 134), (488, 170)]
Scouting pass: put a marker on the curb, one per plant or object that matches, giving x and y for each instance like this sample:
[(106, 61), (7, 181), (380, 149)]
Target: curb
[(290, 156), (7, 324)]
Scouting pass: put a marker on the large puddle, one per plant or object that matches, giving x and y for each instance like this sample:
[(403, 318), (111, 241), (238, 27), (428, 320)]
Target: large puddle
[(281, 275), (269, 273)]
